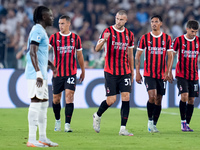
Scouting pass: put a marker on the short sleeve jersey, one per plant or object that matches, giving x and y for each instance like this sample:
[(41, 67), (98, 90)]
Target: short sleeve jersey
[(155, 48), (116, 48), (65, 47), (39, 35), (187, 50)]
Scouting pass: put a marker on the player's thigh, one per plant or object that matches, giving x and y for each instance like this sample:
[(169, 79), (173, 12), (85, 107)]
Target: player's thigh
[(150, 83), (69, 96), (111, 84), (183, 86), (161, 87), (124, 83), (194, 88), (58, 84)]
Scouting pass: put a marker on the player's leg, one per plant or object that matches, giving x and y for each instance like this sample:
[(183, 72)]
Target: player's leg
[(42, 119), (56, 109), (111, 91), (150, 84), (58, 87), (189, 112), (102, 108), (193, 92), (125, 108), (183, 87), (69, 108), (33, 114)]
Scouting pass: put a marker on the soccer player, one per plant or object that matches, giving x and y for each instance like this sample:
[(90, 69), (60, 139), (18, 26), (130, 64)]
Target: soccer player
[(156, 45), (66, 46), (118, 69), (36, 74), (188, 47)]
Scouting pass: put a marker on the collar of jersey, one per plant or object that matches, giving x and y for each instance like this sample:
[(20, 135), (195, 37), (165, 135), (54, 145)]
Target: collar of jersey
[(65, 34), (155, 35), (118, 30), (189, 39), (40, 26)]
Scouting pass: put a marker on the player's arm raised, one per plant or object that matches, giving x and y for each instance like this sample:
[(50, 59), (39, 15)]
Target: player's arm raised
[(101, 42), (137, 66)]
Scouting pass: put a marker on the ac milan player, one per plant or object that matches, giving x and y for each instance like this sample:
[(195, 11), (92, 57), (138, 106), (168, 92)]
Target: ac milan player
[(187, 46), (66, 45), (156, 45), (118, 69)]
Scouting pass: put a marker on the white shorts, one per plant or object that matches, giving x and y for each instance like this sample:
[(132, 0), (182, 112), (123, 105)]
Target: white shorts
[(41, 93)]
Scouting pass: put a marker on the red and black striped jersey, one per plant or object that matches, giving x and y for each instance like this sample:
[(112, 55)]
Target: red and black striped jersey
[(116, 48), (155, 48), (188, 51), (65, 47)]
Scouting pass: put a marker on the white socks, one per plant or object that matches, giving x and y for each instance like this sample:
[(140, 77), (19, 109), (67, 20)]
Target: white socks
[(42, 120), (37, 116), (33, 120)]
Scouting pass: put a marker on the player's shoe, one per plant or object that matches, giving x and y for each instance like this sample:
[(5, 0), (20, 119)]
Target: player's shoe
[(48, 142), (150, 126), (57, 125), (35, 144), (67, 127), (184, 126), (188, 128), (125, 132), (96, 122), (155, 129)]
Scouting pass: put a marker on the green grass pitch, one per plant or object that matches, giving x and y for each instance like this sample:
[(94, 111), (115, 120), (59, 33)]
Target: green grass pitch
[(14, 131)]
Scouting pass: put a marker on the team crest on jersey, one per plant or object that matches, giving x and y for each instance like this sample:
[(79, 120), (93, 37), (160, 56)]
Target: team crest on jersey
[(72, 40), (108, 90), (197, 45), (126, 37), (38, 38), (163, 42), (180, 88), (147, 85)]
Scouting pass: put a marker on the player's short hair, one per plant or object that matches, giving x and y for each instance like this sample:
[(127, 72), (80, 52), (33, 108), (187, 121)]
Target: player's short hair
[(122, 12), (157, 16), (65, 17), (38, 13), (192, 24)]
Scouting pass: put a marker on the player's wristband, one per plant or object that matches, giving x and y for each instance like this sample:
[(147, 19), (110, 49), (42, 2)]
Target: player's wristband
[(39, 74)]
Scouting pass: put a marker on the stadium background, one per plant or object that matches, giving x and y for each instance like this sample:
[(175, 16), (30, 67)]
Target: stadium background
[(89, 18)]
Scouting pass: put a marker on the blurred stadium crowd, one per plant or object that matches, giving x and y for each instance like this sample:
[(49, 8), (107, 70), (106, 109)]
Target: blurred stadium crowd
[(89, 19)]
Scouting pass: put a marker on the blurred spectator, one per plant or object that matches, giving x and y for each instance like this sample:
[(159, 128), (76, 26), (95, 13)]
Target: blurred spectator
[(90, 17)]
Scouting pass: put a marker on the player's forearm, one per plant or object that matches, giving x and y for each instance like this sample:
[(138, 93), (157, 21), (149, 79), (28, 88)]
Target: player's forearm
[(170, 61), (100, 44), (81, 62)]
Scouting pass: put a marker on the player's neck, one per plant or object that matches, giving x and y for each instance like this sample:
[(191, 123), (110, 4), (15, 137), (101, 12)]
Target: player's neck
[(156, 33), (65, 32)]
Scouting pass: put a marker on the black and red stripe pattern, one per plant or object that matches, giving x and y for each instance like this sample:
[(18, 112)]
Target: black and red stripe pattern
[(65, 47), (116, 48), (188, 50), (155, 48)]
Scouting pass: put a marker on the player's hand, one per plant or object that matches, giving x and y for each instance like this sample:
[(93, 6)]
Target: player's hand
[(139, 78), (82, 77), (106, 35), (55, 72), (39, 82)]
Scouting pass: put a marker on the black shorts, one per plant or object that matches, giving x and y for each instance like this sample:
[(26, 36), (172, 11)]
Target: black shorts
[(188, 86), (153, 83), (114, 84), (59, 84)]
